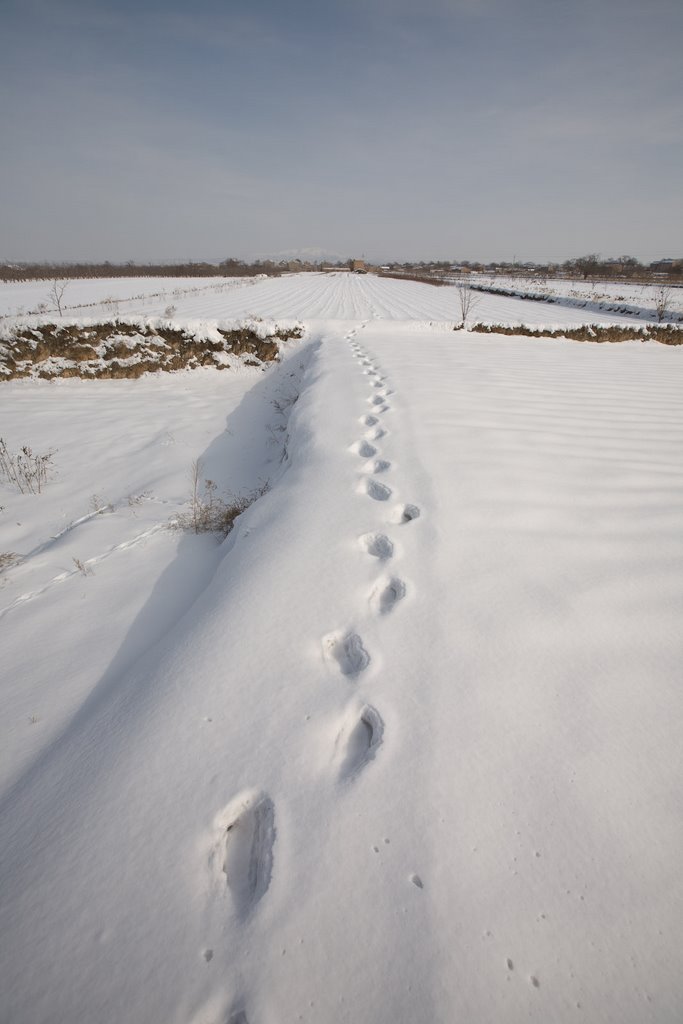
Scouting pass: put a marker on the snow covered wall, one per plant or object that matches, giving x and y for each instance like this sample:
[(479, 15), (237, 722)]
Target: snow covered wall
[(129, 347)]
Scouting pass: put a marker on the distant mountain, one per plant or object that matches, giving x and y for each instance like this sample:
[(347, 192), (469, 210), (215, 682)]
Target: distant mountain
[(310, 255)]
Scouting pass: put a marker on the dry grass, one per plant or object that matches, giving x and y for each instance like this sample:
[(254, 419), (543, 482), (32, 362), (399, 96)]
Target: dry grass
[(209, 511), (25, 469), (8, 559)]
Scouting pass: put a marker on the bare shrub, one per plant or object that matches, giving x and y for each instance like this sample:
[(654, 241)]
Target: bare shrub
[(662, 300), (170, 312), (84, 569), (8, 559), (56, 293), (209, 511), (25, 469), (467, 299), (98, 506)]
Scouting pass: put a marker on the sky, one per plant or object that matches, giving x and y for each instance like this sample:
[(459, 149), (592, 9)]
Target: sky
[(432, 129)]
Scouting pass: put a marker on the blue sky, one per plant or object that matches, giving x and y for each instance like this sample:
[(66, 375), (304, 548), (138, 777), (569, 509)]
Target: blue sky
[(482, 129)]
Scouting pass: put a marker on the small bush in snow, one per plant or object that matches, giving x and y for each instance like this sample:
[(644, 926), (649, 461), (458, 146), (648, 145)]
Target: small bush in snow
[(467, 300), (170, 312), (662, 298), (210, 512), (98, 506), (56, 294), (8, 559), (24, 469)]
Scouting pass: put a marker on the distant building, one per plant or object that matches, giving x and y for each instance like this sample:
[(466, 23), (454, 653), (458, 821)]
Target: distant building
[(358, 266), (667, 264)]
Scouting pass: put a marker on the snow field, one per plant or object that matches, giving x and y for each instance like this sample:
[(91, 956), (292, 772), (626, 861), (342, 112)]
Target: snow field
[(103, 296), (123, 452), (411, 752), (596, 294), (311, 297)]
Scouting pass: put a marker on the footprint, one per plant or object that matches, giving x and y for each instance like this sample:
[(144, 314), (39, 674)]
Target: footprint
[(364, 449), (378, 545), (377, 400), (377, 384), (369, 421), (348, 652), (376, 435), (406, 513), (378, 491), (245, 850), (378, 466), (389, 595), (359, 741)]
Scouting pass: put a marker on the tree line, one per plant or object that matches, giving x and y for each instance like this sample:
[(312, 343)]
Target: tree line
[(67, 271)]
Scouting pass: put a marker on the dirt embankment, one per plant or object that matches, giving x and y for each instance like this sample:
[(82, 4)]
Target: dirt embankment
[(120, 349), (665, 334)]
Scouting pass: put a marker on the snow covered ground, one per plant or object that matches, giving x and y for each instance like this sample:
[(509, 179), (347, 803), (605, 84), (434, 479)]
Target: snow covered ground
[(597, 296), (406, 746), (101, 295), (294, 296)]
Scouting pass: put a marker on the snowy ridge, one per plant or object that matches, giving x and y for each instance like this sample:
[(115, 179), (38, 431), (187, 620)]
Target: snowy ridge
[(129, 346), (197, 329)]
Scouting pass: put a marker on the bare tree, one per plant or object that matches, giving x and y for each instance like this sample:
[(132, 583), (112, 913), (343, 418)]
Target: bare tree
[(56, 293), (662, 298), (467, 298)]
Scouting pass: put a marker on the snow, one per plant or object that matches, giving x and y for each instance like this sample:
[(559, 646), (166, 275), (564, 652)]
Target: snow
[(406, 746), (303, 296), (596, 296), (109, 295)]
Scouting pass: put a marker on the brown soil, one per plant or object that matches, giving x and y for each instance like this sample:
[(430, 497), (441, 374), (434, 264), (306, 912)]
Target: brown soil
[(666, 334), (103, 350)]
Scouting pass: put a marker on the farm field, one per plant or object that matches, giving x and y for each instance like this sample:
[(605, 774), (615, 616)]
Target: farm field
[(597, 296), (302, 296), (405, 746)]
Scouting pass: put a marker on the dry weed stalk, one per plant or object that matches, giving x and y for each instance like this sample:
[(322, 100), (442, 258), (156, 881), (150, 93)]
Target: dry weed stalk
[(84, 569), (209, 511), (25, 469), (662, 299)]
